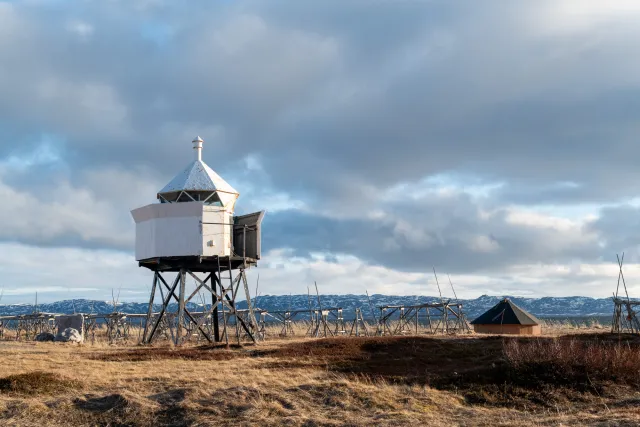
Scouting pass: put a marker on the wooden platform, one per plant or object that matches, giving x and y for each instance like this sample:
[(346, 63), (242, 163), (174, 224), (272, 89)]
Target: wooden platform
[(197, 264)]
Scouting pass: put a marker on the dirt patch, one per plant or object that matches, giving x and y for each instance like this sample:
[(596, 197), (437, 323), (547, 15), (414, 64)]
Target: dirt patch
[(406, 360), (173, 411), (520, 372), (322, 348), (232, 402), (112, 402), (171, 397), (151, 353), (112, 410), (38, 382), (175, 416)]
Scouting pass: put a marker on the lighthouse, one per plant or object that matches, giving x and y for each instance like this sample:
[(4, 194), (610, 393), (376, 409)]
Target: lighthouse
[(192, 232)]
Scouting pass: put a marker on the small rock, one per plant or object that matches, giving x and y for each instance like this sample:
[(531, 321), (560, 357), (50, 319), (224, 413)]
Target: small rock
[(69, 335), (45, 336)]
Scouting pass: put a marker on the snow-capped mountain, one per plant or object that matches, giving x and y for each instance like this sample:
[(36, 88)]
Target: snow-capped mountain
[(575, 306)]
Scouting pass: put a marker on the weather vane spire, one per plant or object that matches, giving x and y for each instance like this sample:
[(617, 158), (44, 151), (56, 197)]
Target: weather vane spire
[(197, 146)]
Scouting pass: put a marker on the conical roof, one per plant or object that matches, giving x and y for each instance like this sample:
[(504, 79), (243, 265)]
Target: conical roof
[(506, 313), (199, 181), (197, 176)]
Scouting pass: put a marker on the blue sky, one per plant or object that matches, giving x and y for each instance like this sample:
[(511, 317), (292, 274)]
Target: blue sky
[(495, 141)]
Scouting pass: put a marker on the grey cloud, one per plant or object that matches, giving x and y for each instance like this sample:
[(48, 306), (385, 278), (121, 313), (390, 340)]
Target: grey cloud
[(339, 101), (253, 64), (620, 228), (454, 233)]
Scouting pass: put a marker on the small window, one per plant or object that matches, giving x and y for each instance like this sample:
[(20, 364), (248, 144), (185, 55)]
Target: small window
[(168, 197), (184, 197), (213, 200)]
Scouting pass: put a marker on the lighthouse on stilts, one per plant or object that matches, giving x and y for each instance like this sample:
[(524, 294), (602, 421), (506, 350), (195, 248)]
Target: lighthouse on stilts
[(192, 235)]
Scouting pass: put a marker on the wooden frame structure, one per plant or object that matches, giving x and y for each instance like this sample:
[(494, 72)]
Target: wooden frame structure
[(27, 326), (321, 323), (359, 326), (439, 318), (218, 283), (327, 322), (624, 316), (241, 324), (118, 325), (621, 323)]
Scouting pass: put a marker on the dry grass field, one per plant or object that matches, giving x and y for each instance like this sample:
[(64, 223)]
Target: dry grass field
[(577, 379)]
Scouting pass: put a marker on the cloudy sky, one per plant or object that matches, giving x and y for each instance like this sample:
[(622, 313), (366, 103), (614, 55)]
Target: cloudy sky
[(496, 141)]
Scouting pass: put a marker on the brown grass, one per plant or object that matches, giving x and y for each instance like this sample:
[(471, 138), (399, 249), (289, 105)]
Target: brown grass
[(37, 382), (323, 382), (210, 352)]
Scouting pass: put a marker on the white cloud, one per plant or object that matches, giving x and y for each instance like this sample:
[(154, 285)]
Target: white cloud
[(60, 273), (520, 216), (282, 273), (66, 272), (96, 212), (570, 16)]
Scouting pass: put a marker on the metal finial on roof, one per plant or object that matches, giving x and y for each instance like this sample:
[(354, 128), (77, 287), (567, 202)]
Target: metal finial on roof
[(197, 145)]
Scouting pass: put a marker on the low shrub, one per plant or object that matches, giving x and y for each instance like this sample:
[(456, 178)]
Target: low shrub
[(570, 359)]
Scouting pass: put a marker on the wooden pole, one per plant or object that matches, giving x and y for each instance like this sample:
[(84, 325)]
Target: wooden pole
[(181, 304), (233, 298), (224, 311), (150, 310), (214, 315), (165, 303)]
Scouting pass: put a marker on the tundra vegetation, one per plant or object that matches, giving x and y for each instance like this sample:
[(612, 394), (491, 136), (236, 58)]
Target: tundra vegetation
[(586, 377)]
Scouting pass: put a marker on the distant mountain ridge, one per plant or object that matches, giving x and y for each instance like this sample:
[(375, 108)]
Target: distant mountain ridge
[(575, 306)]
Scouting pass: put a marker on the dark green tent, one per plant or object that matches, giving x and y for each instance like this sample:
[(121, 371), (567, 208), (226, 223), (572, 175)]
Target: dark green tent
[(506, 313)]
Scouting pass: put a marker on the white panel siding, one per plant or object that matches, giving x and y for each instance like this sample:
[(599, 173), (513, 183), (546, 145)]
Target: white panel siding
[(176, 229), (216, 232), (164, 210), (169, 237)]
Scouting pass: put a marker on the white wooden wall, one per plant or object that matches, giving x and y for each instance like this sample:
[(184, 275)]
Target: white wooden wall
[(177, 229)]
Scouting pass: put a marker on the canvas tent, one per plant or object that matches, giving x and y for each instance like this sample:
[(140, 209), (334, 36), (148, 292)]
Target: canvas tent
[(507, 318)]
